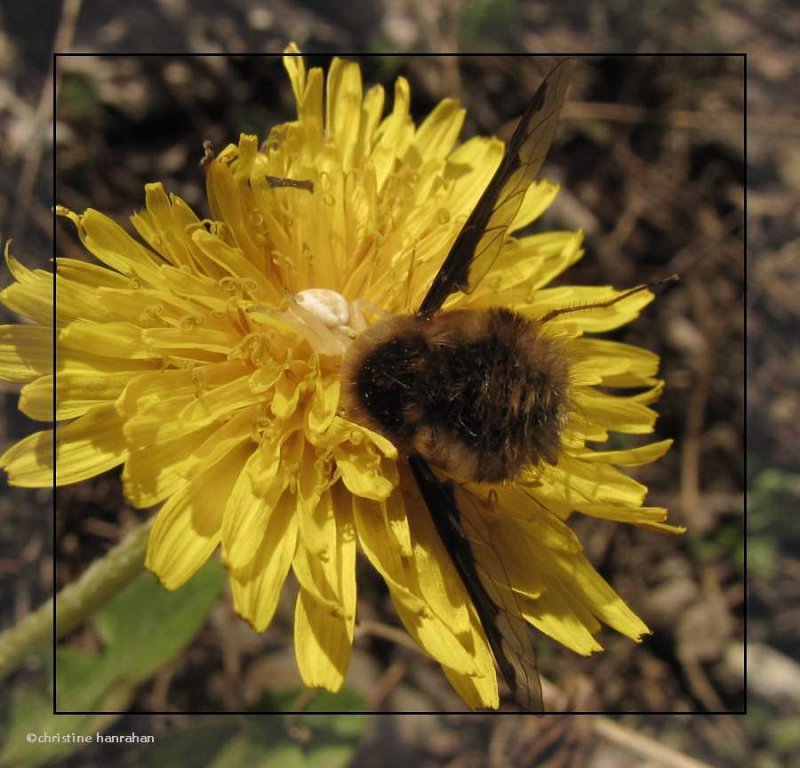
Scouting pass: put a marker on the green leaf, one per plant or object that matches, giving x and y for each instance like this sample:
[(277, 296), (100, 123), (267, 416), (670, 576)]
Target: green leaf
[(31, 716), (265, 746), (313, 741), (284, 700), (79, 95), (87, 682), (143, 627), (200, 744)]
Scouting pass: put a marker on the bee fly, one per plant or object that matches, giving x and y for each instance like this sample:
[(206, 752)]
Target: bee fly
[(479, 394)]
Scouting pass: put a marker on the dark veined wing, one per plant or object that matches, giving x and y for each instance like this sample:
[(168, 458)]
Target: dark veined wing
[(479, 242), (509, 636)]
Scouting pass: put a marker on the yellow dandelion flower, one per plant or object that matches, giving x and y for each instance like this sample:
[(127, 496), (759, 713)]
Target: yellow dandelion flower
[(205, 357)]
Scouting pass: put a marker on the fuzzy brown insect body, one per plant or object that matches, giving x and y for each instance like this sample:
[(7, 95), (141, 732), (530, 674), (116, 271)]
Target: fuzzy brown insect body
[(480, 394)]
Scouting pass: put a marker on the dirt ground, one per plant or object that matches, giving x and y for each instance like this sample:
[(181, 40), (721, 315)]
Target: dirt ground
[(650, 155)]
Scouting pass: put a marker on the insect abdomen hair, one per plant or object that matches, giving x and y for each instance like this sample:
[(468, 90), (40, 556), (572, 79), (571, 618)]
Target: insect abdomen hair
[(379, 377), (479, 393)]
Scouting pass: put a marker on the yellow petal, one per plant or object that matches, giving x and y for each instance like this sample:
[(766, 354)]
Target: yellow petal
[(113, 246), (504, 553), (364, 472), (87, 447), (175, 550), (234, 261), (197, 343), (321, 642), (620, 414), (32, 295), (287, 391), (257, 586), (647, 517), (434, 636), (594, 320), (26, 351), (218, 402), (324, 564), (630, 457), (157, 468), (394, 133), (482, 157), (432, 633), (231, 435), (324, 404), (248, 512), (82, 275), (343, 103), (79, 360), (295, 67), (437, 133), (596, 361), (371, 111), (138, 306), (583, 589), (309, 111), (439, 583), (165, 224), (538, 198), (559, 615), (526, 264), (76, 393), (29, 463), (580, 482), (187, 528), (476, 691), (115, 340)]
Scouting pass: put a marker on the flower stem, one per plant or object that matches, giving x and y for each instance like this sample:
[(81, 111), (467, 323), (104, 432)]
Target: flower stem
[(76, 602)]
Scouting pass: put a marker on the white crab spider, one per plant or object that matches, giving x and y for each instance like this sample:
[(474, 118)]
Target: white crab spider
[(324, 318)]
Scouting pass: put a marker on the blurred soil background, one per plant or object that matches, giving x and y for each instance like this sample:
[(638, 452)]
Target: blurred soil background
[(650, 154)]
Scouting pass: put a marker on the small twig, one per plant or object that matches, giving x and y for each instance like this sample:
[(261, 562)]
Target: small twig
[(699, 683), (388, 633), (297, 730), (643, 746), (682, 119), (77, 601), (386, 683), (696, 410)]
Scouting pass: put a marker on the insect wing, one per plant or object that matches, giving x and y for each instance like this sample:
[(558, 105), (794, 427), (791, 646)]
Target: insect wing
[(509, 636), (480, 240)]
